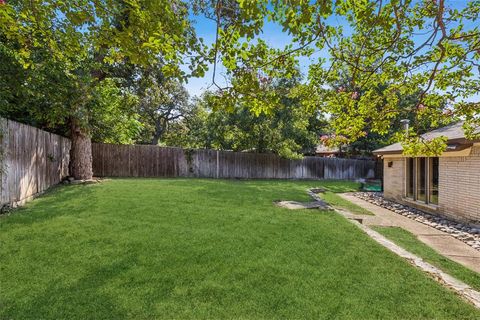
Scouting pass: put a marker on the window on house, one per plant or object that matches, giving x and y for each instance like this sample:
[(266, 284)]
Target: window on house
[(410, 178), (433, 183), (421, 179)]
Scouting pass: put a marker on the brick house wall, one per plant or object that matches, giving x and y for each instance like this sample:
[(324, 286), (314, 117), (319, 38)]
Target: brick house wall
[(394, 178), (459, 186)]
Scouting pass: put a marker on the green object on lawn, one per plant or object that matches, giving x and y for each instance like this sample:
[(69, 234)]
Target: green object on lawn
[(372, 185), (374, 188)]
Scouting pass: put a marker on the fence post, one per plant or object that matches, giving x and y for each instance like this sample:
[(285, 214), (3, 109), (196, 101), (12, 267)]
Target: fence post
[(218, 165)]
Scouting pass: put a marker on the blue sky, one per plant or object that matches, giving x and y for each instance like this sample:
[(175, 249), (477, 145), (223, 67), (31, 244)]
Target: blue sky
[(275, 37), (205, 29), (272, 34)]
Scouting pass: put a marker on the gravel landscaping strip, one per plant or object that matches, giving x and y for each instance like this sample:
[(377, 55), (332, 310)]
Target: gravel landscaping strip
[(468, 234)]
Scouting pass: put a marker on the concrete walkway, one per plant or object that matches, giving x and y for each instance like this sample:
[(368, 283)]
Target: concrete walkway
[(440, 241)]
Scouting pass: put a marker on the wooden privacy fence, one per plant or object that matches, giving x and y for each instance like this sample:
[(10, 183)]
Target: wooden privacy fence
[(152, 161), (31, 160)]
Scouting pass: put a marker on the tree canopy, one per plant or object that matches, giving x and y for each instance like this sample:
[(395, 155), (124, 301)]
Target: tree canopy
[(288, 130), (76, 66), (408, 46), (64, 51)]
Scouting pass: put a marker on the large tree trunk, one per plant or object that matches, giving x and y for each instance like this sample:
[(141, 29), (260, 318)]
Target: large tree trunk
[(81, 153), (155, 139), (159, 129)]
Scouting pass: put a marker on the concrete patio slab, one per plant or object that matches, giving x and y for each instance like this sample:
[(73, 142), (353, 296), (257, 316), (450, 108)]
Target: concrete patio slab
[(440, 241), (294, 205)]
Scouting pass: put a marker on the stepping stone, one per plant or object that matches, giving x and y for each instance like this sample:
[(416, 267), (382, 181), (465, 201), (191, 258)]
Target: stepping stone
[(294, 205)]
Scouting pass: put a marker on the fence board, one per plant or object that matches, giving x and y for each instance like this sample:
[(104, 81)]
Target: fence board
[(34, 160), (31, 160), (153, 161)]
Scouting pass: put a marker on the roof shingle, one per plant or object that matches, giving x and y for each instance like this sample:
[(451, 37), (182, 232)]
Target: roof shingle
[(453, 132)]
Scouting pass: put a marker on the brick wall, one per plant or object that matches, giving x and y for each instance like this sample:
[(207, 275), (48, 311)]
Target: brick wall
[(459, 187), (393, 178)]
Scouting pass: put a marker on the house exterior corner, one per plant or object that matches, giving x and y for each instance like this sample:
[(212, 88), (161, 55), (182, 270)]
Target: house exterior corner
[(459, 183), (458, 196)]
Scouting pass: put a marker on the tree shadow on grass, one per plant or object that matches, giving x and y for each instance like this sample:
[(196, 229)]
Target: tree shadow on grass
[(59, 201), (83, 299)]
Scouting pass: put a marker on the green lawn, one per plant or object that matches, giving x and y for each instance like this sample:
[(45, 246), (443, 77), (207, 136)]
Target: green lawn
[(151, 248), (338, 202), (409, 242)]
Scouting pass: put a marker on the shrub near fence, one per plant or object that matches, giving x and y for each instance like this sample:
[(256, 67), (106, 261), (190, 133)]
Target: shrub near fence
[(153, 161), (31, 160)]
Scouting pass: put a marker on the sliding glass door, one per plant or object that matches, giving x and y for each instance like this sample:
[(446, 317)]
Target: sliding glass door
[(433, 180), (421, 179), (410, 178)]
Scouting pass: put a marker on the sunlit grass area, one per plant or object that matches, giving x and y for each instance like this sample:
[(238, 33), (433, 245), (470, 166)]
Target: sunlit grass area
[(216, 249)]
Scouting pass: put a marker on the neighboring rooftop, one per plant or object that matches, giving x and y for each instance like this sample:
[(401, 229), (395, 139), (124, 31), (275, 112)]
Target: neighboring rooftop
[(453, 132)]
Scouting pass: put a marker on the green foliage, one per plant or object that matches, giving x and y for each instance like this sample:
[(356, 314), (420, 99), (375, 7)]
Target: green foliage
[(162, 101), (85, 34), (60, 52), (413, 48), (387, 60), (392, 130), (2, 151), (417, 146), (288, 129), (191, 131), (113, 117), (44, 97)]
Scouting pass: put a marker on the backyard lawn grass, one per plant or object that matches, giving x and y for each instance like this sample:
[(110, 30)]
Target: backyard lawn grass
[(179, 248), (338, 202), (409, 242)]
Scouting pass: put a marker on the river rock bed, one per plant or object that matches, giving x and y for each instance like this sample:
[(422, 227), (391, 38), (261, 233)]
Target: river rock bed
[(468, 234)]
